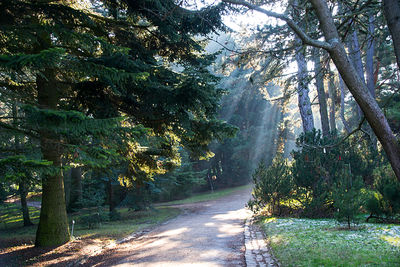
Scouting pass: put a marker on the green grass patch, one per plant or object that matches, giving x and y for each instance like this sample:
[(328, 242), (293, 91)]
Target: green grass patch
[(130, 222), (323, 242), (207, 196), (11, 216), (11, 226)]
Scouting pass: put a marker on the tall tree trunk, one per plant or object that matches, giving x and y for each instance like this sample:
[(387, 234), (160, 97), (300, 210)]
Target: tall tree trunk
[(332, 106), (22, 183), (391, 10), (302, 89), (342, 105), (67, 186), (110, 193), (76, 188), (359, 90), (53, 224), (369, 63), (369, 68), (23, 192), (357, 61), (319, 83)]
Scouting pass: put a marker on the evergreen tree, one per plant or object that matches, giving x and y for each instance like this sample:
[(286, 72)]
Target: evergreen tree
[(99, 85)]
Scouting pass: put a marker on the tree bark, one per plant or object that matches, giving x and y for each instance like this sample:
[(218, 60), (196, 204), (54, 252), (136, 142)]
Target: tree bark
[(332, 106), (319, 83), (342, 105), (302, 89), (22, 187), (359, 90), (24, 205), (76, 188), (355, 52), (369, 69), (67, 186), (110, 194), (369, 63), (53, 224), (391, 10)]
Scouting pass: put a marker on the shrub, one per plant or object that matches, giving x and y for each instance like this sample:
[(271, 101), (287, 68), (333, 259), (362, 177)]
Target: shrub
[(271, 186), (385, 200), (317, 169), (347, 197)]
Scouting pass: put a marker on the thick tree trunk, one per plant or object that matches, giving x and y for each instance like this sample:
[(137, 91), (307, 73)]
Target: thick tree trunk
[(359, 90), (319, 83), (53, 224), (302, 89), (342, 105), (391, 10), (332, 106)]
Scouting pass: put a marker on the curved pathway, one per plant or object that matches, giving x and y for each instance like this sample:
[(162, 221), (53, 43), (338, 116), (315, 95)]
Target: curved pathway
[(207, 234)]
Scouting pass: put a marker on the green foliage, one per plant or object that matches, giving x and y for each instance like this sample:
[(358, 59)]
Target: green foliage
[(114, 215), (272, 186), (180, 182), (347, 197), (93, 192), (104, 85), (91, 220), (139, 197), (385, 199), (317, 167), (327, 176)]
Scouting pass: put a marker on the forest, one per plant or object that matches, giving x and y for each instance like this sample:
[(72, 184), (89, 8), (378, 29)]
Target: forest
[(115, 114)]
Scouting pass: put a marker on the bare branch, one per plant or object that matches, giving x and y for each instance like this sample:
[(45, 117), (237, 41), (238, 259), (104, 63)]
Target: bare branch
[(302, 35)]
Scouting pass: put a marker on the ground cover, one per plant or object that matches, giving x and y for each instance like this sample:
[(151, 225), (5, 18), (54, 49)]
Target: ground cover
[(324, 242)]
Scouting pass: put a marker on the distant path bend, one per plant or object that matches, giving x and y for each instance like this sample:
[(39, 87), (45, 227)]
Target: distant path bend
[(207, 234)]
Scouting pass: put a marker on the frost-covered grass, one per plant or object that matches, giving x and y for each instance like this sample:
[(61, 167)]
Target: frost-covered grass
[(323, 242)]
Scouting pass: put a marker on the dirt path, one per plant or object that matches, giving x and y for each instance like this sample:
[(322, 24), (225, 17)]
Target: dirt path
[(207, 234)]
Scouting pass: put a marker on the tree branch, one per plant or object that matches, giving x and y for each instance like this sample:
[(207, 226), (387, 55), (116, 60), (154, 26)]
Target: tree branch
[(302, 35)]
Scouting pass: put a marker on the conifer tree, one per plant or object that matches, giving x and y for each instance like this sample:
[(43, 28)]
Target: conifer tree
[(112, 83)]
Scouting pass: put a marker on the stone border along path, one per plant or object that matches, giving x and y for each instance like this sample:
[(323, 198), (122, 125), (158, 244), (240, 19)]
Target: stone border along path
[(257, 250)]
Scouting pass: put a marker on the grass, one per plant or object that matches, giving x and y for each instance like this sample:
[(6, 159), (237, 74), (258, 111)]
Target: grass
[(11, 223), (207, 196), (322, 242), (11, 216), (129, 223)]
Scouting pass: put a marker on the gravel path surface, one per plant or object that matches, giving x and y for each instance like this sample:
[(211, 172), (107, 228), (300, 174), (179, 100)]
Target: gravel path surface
[(207, 234)]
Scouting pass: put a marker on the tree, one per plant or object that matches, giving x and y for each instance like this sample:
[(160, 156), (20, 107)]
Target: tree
[(357, 87), (319, 83), (99, 82), (391, 10)]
